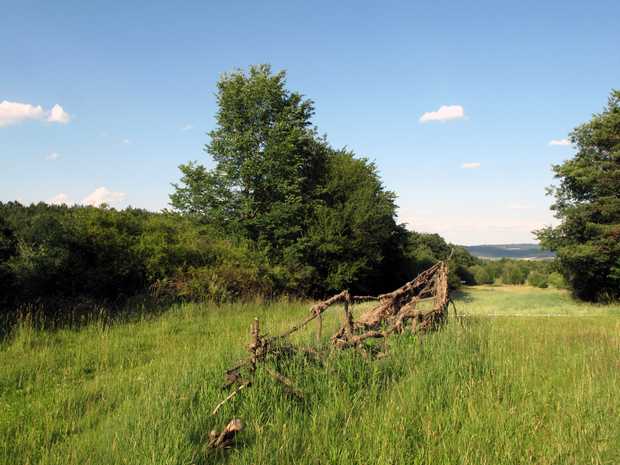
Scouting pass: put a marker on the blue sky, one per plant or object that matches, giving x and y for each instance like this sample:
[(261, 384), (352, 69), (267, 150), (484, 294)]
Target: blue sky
[(134, 83)]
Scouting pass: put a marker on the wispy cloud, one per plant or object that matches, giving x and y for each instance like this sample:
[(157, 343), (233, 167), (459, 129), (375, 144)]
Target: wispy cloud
[(445, 113), (52, 156), (187, 127), (471, 165), (126, 141), (559, 142), (59, 199), (15, 112), (103, 195)]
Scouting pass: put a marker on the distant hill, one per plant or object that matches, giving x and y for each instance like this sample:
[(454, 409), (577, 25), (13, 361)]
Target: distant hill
[(517, 251)]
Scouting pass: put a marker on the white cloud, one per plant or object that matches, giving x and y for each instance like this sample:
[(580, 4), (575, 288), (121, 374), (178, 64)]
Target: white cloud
[(59, 199), (15, 112), (187, 127), (559, 142), (103, 195), (445, 113), (471, 165), (58, 115), (126, 141), (52, 156)]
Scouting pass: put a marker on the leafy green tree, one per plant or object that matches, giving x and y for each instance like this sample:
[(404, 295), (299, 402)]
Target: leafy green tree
[(481, 274), (513, 273), (321, 216), (587, 201), (350, 238), (268, 162)]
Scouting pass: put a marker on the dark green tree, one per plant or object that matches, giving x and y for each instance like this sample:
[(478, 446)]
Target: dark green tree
[(587, 202), (350, 238)]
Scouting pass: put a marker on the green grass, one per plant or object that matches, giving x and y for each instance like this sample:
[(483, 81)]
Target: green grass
[(527, 301), (513, 390)]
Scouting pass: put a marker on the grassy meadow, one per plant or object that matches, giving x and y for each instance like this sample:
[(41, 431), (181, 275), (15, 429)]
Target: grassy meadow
[(527, 377)]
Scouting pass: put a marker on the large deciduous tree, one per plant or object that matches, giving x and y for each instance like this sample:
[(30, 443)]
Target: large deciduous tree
[(268, 161), (587, 201), (321, 215)]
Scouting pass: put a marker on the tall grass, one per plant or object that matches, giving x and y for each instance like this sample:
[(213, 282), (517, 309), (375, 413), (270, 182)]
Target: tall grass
[(515, 390)]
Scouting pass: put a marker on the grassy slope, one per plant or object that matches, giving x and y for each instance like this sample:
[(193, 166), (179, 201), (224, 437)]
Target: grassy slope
[(491, 391)]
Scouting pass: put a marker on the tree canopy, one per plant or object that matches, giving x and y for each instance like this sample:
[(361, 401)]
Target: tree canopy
[(587, 202), (321, 214)]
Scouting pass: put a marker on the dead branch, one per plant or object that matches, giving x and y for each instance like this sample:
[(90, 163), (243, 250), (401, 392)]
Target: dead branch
[(226, 437), (289, 386), (230, 396), (391, 315)]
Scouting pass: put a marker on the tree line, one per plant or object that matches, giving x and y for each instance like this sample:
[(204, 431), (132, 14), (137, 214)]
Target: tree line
[(58, 258), (536, 273)]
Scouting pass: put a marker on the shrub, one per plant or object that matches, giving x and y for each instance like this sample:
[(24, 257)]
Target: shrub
[(537, 279), (557, 280), (482, 275)]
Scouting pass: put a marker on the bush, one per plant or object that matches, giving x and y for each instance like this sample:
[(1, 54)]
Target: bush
[(537, 279), (513, 274), (482, 275), (557, 280)]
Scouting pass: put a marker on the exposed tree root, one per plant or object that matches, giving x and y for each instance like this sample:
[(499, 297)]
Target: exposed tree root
[(395, 312), (226, 437)]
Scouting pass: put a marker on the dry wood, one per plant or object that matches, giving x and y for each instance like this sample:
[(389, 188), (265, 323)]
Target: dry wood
[(226, 437), (315, 312), (395, 312), (348, 317), (289, 386), (230, 396), (255, 343)]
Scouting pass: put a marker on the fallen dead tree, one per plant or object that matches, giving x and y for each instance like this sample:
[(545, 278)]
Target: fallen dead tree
[(395, 312)]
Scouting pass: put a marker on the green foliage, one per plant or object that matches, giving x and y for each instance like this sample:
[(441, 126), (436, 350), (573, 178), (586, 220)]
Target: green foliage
[(353, 225), (556, 280), (269, 162), (513, 273), (321, 217), (537, 279), (57, 256), (536, 273), (587, 201), (482, 274), (423, 250)]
